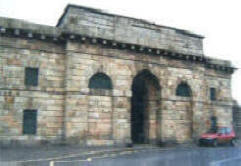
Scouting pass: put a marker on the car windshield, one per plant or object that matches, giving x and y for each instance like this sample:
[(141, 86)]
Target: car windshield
[(211, 131), (221, 131)]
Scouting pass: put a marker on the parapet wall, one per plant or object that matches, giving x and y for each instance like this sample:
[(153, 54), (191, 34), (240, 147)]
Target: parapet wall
[(99, 24)]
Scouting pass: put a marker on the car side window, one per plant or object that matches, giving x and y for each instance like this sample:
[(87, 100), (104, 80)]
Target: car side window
[(221, 131), (228, 130)]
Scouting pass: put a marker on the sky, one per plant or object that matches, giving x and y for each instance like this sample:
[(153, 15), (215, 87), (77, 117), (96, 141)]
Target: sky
[(217, 20)]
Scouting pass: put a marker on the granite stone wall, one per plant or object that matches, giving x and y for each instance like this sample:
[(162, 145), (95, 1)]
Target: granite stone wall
[(180, 119), (87, 42), (68, 108), (47, 98)]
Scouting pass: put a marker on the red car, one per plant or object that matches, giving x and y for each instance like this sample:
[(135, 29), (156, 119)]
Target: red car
[(221, 136)]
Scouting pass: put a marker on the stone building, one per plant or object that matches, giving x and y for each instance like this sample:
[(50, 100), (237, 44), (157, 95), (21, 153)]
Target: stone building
[(237, 118), (103, 79)]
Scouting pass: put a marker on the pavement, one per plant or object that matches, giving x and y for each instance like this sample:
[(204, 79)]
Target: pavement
[(139, 155), (42, 155)]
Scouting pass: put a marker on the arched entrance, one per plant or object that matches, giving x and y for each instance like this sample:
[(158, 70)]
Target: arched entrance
[(145, 108)]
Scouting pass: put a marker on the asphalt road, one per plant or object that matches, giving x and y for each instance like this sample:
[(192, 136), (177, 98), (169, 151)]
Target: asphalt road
[(221, 156), (181, 156)]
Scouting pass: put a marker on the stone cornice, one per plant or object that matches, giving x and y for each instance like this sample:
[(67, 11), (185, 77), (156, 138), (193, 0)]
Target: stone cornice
[(66, 36)]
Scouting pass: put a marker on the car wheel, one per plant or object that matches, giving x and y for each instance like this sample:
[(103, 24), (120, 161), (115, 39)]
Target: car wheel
[(215, 143)]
